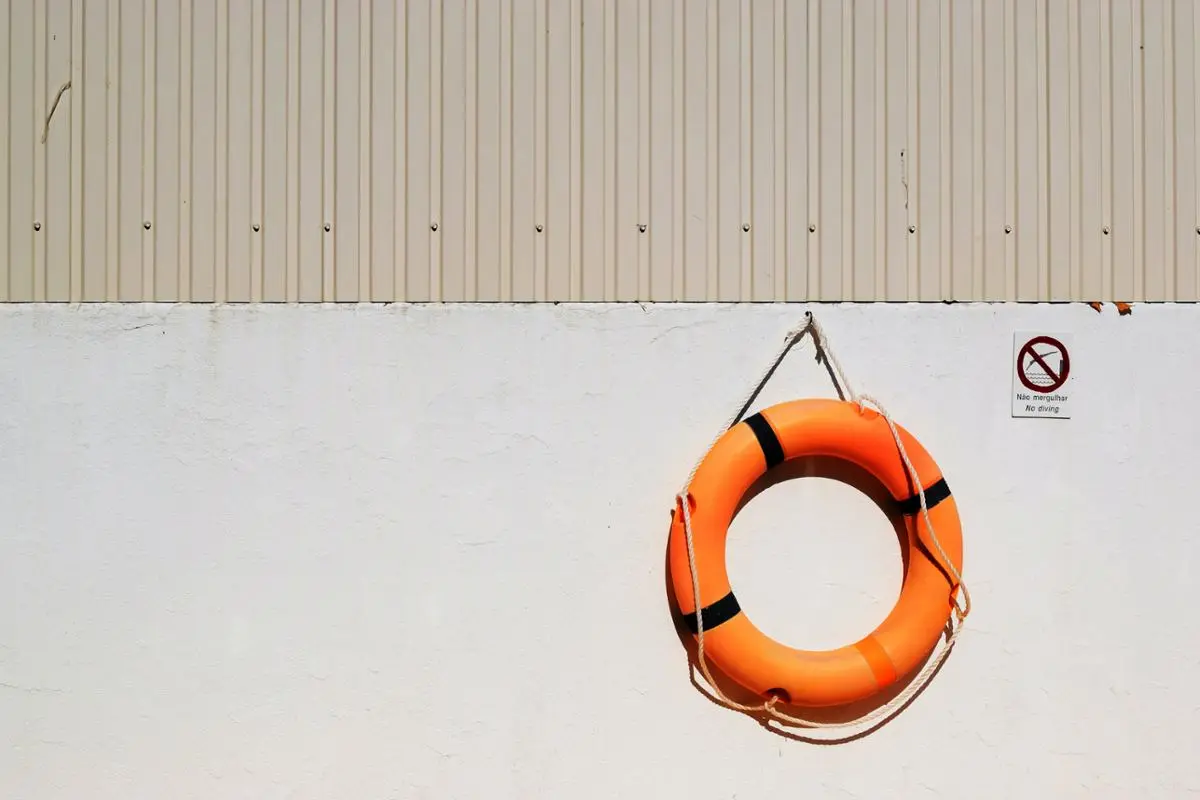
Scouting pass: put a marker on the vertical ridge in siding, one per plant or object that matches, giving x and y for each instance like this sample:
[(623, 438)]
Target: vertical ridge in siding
[(78, 160), (364, 290), (203, 168), (400, 155), (1187, 151), (381, 160), (831, 188), (979, 218), (274, 193), (244, 229), (222, 137), (1057, 217), (895, 89), (329, 165), (728, 153), (292, 170), (643, 151), (561, 157), (1093, 124), (346, 189), (626, 148), (812, 138), (436, 150), (6, 124), (1071, 283), (693, 136), (540, 148), (523, 147), (254, 276), (504, 32), (846, 257)]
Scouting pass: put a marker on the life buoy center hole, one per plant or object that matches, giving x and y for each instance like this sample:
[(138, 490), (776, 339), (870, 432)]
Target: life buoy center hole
[(815, 562)]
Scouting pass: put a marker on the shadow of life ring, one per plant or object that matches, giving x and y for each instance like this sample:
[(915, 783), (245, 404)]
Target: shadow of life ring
[(909, 633)]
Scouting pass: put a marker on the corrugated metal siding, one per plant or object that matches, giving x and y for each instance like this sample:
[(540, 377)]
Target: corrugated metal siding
[(247, 150)]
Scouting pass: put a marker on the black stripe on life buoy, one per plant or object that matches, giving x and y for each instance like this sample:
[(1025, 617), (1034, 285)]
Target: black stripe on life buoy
[(934, 494), (767, 440), (716, 614)]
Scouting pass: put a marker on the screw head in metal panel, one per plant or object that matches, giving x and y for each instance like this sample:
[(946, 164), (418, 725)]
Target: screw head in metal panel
[(433, 226), (812, 228), (37, 226), (746, 227), (256, 227), (1105, 230), (912, 228), (537, 227), (146, 224), (1198, 230), (641, 227), (1008, 228), (328, 227)]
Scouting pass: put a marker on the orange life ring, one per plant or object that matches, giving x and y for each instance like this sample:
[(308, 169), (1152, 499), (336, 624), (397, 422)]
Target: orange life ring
[(816, 427)]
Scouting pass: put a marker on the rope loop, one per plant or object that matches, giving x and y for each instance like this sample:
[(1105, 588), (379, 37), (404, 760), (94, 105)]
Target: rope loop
[(960, 609)]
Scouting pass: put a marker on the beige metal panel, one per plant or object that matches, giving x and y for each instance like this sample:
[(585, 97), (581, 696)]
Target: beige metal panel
[(5, 137), (545, 150)]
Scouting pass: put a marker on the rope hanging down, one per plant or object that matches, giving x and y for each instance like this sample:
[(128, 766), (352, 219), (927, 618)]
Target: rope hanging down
[(961, 610)]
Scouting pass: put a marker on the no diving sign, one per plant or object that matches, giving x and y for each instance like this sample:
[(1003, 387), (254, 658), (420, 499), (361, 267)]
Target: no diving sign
[(1041, 375)]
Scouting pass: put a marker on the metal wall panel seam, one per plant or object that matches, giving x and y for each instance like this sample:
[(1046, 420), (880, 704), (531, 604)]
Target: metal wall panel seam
[(257, 167), (149, 146), (40, 177), (366, 256), (1106, 147), (1196, 148), (505, 32), (610, 200), (400, 69), (1138, 58), (541, 125), (746, 175), (470, 278), (224, 134), (779, 267), (712, 143), (1075, 101), (575, 287), (6, 123), (849, 145), (644, 276), (813, 164), (979, 218), (183, 269), (617, 198), (678, 153), (244, 226), (59, 159), (328, 151), (437, 165), (1010, 148), (1124, 152), (292, 170), (911, 156), (1169, 285), (77, 155), (1043, 152), (882, 162), (945, 288)]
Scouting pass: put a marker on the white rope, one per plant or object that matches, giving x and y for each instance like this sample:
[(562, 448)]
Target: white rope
[(960, 610)]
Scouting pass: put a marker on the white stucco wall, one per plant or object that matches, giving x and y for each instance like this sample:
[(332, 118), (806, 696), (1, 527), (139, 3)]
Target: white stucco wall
[(418, 552)]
